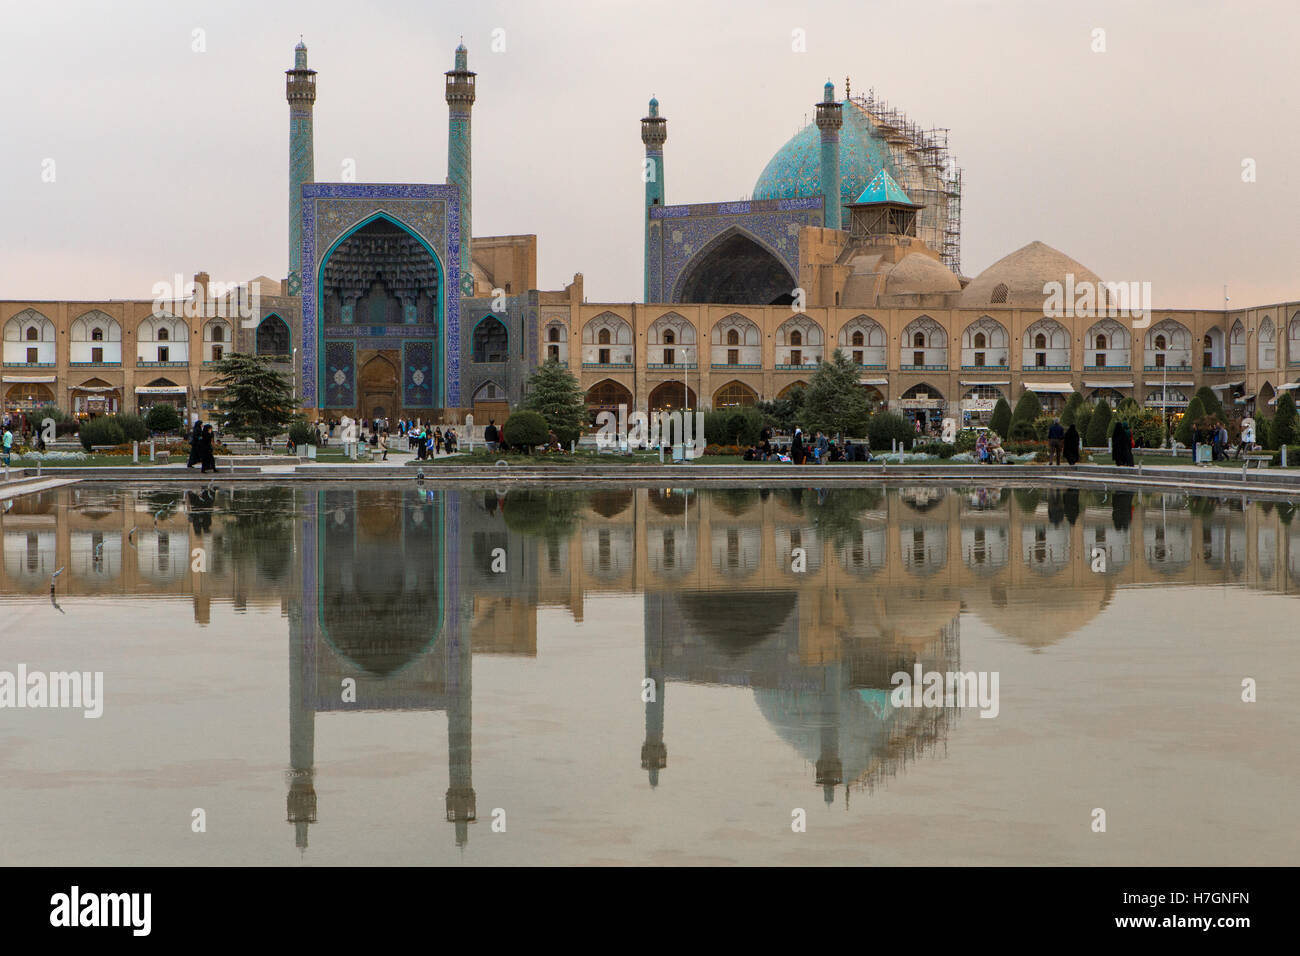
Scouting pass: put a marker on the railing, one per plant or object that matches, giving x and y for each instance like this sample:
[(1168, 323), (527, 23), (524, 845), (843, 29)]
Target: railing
[(29, 364), (983, 368), (94, 365), (809, 367), (607, 365), (671, 365), (1177, 369), (736, 365), (1236, 368), (140, 363), (872, 368), (1218, 368), (1043, 368), (923, 368), (1108, 368)]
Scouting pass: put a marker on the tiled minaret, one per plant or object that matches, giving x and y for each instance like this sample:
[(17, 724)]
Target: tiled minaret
[(829, 120), (654, 130), (460, 101), (300, 91)]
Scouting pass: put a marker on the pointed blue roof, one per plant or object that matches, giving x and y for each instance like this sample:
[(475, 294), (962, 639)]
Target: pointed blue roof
[(882, 188)]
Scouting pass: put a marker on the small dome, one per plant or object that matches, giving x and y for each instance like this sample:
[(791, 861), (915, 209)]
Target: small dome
[(654, 106), (919, 275), (828, 92), (1017, 280)]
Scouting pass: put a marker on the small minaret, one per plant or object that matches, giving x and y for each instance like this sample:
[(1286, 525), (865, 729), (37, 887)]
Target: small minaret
[(654, 752), (301, 804), (830, 118), (654, 130), (460, 101), (300, 91)]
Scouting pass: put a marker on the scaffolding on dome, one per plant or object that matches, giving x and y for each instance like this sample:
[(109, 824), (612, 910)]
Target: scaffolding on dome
[(927, 174)]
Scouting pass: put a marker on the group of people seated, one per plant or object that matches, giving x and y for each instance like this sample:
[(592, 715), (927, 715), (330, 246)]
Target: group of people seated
[(824, 449), (989, 450)]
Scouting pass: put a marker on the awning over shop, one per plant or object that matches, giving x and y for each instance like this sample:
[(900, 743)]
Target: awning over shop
[(1171, 383), (1245, 398), (94, 388), (1063, 387), (1286, 387), (1227, 385), (160, 389), (971, 381), (861, 381), (222, 388), (30, 379), (1107, 384)]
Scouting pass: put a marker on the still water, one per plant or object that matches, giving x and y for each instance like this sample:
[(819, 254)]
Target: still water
[(374, 674)]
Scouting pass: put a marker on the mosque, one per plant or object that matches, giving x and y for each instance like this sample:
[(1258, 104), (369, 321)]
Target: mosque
[(851, 240)]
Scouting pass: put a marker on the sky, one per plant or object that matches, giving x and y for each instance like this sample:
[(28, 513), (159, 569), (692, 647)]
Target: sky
[(146, 138)]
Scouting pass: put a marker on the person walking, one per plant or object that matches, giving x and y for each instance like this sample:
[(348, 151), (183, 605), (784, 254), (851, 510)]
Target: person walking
[(1072, 444), (797, 453), (383, 445), (1055, 442), (195, 436), (490, 435), (438, 439), (207, 454), (8, 444)]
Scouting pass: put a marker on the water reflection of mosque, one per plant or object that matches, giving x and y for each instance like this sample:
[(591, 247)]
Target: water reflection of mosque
[(366, 581)]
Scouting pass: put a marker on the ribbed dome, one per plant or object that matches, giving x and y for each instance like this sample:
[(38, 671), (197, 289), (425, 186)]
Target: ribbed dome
[(919, 275), (795, 170), (1023, 274)]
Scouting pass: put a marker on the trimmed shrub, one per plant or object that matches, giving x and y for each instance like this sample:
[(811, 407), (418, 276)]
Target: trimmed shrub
[(885, 427), (103, 430), (163, 417), (526, 428), (1195, 412), (1027, 409), (301, 433), (1286, 428), (733, 426), (133, 427)]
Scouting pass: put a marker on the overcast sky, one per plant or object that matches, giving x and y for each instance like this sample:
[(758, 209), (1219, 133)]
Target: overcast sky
[(168, 160)]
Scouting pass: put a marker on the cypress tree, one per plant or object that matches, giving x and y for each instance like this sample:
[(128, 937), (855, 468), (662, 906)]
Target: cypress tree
[(1286, 428), (1195, 412), (1099, 425), (1001, 420)]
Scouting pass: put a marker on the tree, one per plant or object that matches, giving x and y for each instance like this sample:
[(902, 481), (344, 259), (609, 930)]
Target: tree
[(1027, 409), (1001, 420), (1082, 418), (256, 399), (526, 428), (1072, 405), (554, 393), (1210, 400), (784, 413), (1286, 427), (1195, 412), (1099, 425), (835, 402), (163, 417)]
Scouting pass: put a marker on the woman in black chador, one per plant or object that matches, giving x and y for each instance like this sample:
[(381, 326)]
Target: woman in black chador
[(206, 452), (194, 444), (1072, 445), (1122, 445)]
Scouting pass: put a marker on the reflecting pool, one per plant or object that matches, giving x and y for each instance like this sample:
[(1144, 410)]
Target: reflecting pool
[(385, 674)]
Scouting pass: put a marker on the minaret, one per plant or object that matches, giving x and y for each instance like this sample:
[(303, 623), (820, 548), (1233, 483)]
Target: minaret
[(460, 101), (654, 130), (302, 737), (300, 91), (654, 752), (829, 120)]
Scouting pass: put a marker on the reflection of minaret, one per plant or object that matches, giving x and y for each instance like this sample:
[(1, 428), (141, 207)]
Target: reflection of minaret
[(654, 753), (302, 737), (830, 771), (461, 809)]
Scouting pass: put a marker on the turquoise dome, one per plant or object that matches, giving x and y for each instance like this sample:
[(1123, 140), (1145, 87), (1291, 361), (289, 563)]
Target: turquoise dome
[(795, 170)]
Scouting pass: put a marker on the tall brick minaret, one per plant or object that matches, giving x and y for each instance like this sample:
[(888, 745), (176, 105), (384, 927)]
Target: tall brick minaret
[(460, 102), (300, 91)]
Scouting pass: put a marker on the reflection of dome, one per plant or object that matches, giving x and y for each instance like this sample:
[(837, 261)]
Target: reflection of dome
[(381, 630), (1036, 618), (738, 621), (868, 735), (1017, 280), (611, 504), (795, 170)]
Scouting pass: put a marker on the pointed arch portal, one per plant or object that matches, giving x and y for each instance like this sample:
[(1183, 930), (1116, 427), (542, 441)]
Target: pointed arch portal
[(735, 269)]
